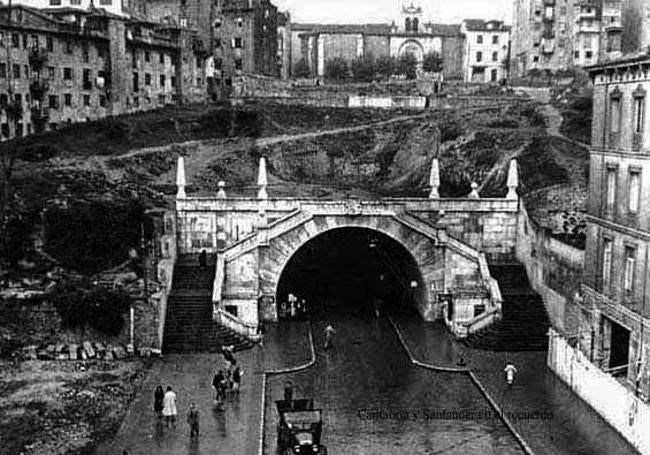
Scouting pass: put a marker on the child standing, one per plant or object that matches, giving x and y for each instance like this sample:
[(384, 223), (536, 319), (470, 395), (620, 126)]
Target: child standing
[(193, 421)]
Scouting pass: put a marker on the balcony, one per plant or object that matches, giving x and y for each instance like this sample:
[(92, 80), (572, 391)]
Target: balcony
[(37, 58)]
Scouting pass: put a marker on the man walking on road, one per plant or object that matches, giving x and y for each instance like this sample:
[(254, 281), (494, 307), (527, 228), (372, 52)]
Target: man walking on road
[(169, 406), (510, 371), (329, 336)]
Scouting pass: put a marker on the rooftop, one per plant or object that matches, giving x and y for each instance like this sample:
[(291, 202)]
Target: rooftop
[(481, 25), (374, 29)]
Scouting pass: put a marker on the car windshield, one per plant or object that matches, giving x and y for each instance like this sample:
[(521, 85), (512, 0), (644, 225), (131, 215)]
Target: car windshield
[(304, 438)]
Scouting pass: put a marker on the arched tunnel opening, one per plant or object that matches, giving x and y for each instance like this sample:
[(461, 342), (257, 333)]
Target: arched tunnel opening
[(349, 270)]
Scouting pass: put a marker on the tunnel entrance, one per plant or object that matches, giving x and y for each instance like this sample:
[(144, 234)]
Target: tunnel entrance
[(352, 270)]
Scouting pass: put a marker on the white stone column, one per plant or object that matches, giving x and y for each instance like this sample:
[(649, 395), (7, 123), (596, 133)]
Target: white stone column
[(513, 181), (180, 178), (262, 180), (434, 179)]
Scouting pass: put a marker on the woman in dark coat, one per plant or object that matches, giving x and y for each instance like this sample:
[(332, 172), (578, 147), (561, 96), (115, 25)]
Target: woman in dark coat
[(158, 396)]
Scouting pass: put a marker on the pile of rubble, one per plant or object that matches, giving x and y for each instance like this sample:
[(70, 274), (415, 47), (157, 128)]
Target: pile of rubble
[(84, 351)]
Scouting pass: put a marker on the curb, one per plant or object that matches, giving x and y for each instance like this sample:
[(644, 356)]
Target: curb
[(268, 373), (474, 379)]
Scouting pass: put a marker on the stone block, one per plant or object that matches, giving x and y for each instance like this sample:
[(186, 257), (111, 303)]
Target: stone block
[(88, 349), (73, 351)]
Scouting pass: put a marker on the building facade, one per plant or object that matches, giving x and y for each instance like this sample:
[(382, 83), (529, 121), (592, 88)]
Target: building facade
[(66, 66), (409, 33), (615, 299), (487, 47), (558, 35)]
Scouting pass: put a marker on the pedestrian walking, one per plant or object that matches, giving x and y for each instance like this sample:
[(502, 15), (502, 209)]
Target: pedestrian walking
[(329, 336), (216, 384), (236, 379), (158, 397), (193, 420), (169, 406), (227, 352), (203, 259), (510, 371)]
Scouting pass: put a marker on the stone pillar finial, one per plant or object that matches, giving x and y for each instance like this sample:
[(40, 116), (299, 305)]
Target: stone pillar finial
[(474, 194), (262, 180), (513, 180), (221, 194), (434, 179), (180, 178)]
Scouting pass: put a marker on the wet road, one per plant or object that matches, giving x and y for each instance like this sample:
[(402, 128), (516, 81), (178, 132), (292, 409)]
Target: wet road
[(375, 402)]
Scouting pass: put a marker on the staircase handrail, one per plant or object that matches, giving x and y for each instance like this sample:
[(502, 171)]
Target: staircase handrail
[(219, 278), (250, 241), (234, 323), (426, 228), (480, 321)]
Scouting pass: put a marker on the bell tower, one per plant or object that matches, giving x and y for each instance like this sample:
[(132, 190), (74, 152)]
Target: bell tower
[(410, 17)]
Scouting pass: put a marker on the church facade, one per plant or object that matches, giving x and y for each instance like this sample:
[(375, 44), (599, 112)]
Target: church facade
[(318, 43)]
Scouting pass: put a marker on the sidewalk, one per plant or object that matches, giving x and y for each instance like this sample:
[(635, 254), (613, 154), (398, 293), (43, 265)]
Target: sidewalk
[(234, 431), (564, 424)]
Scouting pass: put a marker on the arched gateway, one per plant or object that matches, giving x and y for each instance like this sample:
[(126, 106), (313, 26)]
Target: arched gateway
[(439, 245)]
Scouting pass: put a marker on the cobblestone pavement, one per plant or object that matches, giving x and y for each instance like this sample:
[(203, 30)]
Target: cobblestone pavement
[(376, 402), (233, 431), (574, 428)]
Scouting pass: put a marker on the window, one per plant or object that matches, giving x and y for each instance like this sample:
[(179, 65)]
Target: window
[(161, 58), (173, 81), (607, 263), (198, 81), (68, 99), (68, 47), (3, 70), (49, 43), (639, 113), (634, 190), (536, 59), (5, 130), (576, 54), (16, 71), (237, 43), (18, 98), (75, 2), (33, 42), (407, 24), (162, 81), (217, 42), (588, 54), (86, 100), (19, 129), (147, 56), (87, 82), (55, 2), (479, 56), (147, 79), (495, 39), (67, 74), (161, 99), (238, 64), (24, 41), (4, 100), (479, 39), (136, 101), (630, 263), (615, 115), (136, 82), (15, 40), (26, 71), (495, 56), (610, 199), (86, 53), (102, 101), (493, 75), (53, 101), (50, 73), (106, 2)]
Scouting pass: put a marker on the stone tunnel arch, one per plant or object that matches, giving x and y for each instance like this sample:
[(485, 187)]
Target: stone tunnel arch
[(423, 256)]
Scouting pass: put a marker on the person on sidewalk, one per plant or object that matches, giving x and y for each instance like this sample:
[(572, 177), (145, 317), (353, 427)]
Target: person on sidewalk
[(193, 421), (169, 407), (236, 379), (216, 384), (158, 397), (510, 371), (329, 336)]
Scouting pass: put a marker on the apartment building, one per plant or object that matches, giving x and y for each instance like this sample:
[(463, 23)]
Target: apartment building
[(487, 47), (615, 300), (562, 34), (67, 65)]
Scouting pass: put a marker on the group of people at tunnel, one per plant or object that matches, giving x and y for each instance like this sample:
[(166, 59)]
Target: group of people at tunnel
[(294, 308)]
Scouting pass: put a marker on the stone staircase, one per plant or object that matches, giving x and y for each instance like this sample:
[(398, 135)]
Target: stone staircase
[(524, 324), (189, 325)]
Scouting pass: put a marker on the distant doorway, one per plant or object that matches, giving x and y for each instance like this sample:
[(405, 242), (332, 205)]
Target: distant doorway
[(620, 349)]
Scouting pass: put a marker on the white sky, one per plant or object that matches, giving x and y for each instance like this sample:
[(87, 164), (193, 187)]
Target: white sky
[(384, 11)]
